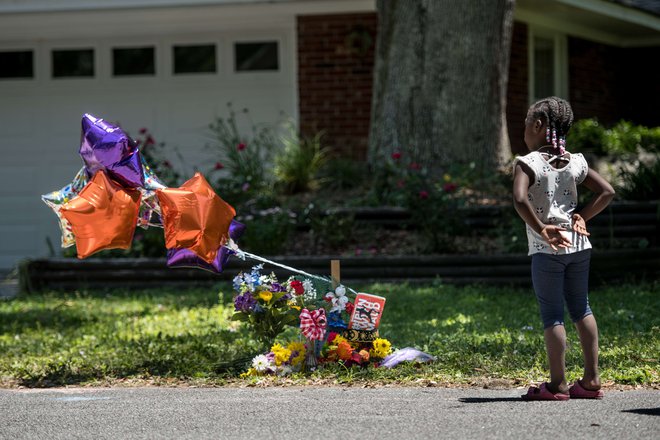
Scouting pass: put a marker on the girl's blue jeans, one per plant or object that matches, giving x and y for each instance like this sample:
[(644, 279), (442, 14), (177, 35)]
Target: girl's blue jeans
[(558, 279)]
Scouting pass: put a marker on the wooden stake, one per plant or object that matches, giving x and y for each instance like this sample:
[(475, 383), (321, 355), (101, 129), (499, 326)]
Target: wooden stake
[(335, 273)]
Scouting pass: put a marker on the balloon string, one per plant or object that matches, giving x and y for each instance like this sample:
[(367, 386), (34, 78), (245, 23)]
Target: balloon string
[(242, 255)]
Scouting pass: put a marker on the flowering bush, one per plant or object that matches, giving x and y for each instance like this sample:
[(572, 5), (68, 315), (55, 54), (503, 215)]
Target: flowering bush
[(432, 196)]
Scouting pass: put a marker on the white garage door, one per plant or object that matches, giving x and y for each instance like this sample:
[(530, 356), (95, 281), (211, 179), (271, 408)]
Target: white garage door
[(173, 80)]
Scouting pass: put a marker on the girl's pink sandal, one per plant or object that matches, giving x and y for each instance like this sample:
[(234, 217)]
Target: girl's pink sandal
[(578, 392), (543, 393)]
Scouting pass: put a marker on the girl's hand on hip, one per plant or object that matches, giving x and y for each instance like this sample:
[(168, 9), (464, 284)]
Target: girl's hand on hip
[(553, 235), (579, 225)]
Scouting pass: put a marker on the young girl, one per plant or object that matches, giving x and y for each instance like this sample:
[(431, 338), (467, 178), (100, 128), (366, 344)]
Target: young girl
[(545, 196)]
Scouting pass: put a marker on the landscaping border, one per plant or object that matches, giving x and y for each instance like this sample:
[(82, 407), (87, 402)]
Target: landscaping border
[(607, 267)]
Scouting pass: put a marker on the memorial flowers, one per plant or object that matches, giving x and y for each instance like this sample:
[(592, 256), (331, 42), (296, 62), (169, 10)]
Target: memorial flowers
[(334, 328)]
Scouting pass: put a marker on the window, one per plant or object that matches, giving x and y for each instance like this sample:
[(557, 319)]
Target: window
[(194, 59), (548, 65), (72, 63), (544, 67), (16, 64), (256, 56), (134, 61)]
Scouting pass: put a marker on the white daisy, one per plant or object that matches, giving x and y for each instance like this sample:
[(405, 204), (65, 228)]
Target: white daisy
[(260, 363)]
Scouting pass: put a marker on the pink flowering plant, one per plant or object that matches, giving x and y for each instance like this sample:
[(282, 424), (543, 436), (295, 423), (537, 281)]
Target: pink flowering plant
[(242, 164), (432, 196)]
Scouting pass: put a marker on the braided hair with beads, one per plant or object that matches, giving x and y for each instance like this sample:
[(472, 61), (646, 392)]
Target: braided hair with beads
[(557, 114)]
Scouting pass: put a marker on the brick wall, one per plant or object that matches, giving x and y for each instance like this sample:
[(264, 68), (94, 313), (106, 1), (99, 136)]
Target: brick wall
[(335, 81), (594, 90), (335, 74)]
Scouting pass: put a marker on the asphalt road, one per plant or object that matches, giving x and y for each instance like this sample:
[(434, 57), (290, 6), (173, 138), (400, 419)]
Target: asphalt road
[(314, 413)]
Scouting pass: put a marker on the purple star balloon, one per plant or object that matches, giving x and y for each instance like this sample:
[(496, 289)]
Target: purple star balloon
[(186, 258), (104, 146)]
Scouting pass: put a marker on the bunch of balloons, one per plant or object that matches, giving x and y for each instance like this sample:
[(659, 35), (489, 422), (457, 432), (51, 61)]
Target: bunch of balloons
[(116, 190)]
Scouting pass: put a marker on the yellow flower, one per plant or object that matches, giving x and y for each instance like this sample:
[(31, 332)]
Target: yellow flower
[(298, 347), (266, 295), (248, 373), (446, 178), (381, 348), (339, 339), (282, 354)]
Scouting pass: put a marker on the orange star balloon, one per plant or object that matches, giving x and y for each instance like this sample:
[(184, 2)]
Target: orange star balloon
[(102, 216), (195, 217)]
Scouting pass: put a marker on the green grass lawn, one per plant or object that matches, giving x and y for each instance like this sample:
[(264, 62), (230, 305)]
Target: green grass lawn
[(478, 334)]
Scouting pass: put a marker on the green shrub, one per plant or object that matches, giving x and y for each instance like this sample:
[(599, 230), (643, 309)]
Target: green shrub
[(642, 182), (334, 229), (344, 174), (267, 231), (298, 164), (589, 136)]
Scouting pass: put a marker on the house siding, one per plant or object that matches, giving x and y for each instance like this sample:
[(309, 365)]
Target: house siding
[(335, 80)]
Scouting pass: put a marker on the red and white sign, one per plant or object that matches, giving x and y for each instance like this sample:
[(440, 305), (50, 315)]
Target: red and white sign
[(367, 312)]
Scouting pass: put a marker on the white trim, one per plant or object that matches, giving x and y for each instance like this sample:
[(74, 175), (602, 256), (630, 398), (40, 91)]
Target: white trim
[(303, 6), (582, 31), (560, 61), (620, 12)]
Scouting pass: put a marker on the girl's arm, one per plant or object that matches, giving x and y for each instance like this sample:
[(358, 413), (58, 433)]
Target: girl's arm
[(550, 233), (603, 195)]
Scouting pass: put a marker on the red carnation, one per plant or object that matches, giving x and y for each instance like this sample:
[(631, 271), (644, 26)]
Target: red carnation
[(349, 308), (297, 287), (241, 146), (423, 195), (449, 187), (396, 155), (218, 166)]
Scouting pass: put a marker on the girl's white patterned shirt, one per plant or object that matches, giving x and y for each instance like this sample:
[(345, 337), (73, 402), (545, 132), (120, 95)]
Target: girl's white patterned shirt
[(553, 196)]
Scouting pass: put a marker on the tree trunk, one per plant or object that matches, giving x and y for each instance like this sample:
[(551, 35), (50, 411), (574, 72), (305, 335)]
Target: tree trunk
[(440, 82)]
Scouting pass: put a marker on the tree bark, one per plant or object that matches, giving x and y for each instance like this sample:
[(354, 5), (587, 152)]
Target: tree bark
[(440, 82)]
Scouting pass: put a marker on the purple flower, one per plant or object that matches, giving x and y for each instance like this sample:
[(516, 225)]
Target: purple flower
[(245, 303), (277, 287)]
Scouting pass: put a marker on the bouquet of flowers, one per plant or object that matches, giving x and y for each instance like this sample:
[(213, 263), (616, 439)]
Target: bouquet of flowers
[(269, 306), (265, 304)]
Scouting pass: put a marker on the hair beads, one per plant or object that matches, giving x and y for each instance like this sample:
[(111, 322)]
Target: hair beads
[(558, 115)]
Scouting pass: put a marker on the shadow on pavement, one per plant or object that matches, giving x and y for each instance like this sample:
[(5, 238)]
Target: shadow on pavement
[(489, 399), (645, 411)]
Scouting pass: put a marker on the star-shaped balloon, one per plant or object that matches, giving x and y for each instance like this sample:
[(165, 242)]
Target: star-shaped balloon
[(103, 216), (195, 217), (56, 199), (187, 258), (104, 146)]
